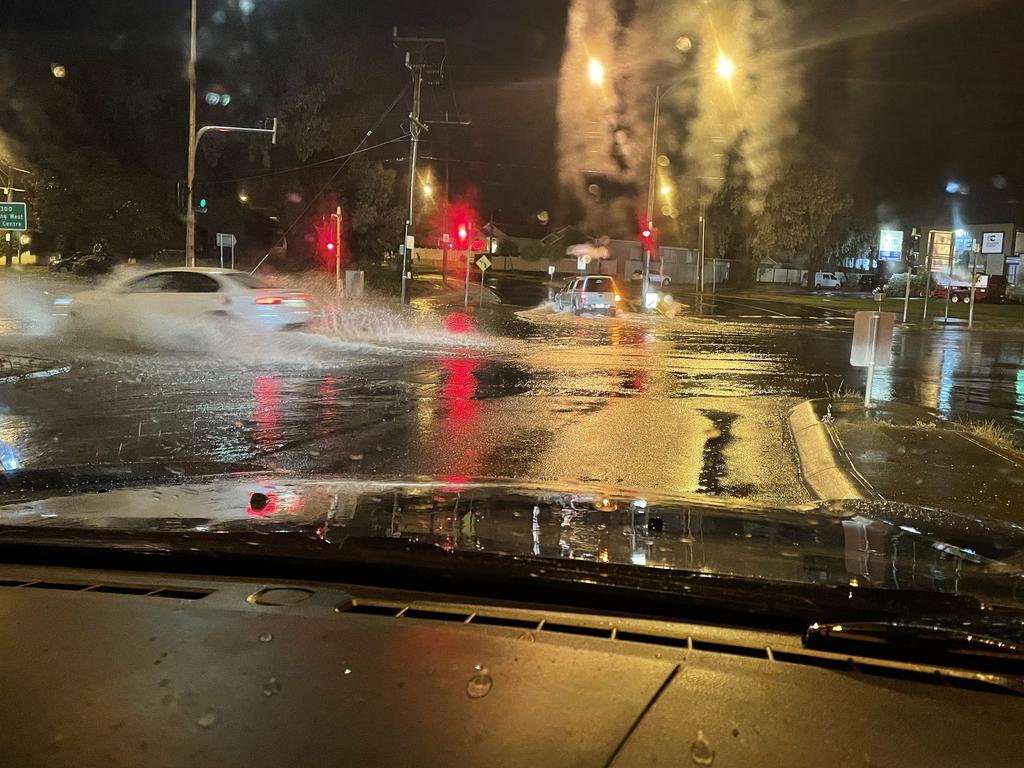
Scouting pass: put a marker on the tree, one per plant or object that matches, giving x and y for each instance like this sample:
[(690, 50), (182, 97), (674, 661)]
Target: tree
[(373, 208), (801, 210)]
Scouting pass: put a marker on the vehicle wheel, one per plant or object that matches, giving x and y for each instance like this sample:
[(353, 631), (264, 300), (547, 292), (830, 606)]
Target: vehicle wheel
[(967, 299), (817, 287), (954, 299), (612, 313)]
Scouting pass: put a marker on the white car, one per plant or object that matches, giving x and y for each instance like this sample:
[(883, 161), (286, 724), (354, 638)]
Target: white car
[(655, 279), (185, 294), (830, 280)]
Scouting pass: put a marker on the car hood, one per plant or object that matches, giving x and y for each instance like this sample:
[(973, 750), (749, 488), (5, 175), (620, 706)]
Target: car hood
[(864, 544)]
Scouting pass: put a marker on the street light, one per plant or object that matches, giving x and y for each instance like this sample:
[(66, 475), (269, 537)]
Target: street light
[(725, 67), (666, 190), (595, 71), (428, 190)]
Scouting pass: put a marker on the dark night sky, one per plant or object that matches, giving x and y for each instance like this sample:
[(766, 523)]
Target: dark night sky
[(910, 104)]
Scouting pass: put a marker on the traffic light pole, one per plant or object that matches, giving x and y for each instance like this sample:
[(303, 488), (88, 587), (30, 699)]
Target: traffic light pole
[(190, 213), (652, 180)]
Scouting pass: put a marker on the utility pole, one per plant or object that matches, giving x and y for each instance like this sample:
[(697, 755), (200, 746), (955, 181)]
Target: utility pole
[(415, 126), (190, 213)]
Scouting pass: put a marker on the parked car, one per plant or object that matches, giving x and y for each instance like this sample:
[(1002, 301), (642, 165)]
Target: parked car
[(869, 282), (64, 261), (664, 281), (828, 280), (594, 293), (190, 294), (93, 264)]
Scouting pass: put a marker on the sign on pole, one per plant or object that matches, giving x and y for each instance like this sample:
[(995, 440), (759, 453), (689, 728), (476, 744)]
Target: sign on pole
[(890, 245), (226, 240), (862, 355), (872, 345), (14, 216), (483, 263)]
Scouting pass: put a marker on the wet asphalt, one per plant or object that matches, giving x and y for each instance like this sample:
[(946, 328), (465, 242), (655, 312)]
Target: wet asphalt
[(690, 404)]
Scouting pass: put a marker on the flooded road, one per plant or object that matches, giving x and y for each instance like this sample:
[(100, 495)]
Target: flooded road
[(683, 405)]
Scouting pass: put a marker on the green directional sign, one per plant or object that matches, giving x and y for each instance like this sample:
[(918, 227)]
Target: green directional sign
[(13, 216)]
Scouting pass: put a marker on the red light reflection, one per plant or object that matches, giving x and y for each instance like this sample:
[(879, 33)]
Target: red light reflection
[(266, 393)]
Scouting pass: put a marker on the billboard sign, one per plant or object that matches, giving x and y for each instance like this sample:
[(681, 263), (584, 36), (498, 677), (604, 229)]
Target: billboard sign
[(992, 242), (890, 245)]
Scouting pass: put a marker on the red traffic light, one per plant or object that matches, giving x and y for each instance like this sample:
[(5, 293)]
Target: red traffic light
[(646, 234), (330, 246)]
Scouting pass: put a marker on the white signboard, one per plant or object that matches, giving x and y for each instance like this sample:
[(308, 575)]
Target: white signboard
[(992, 242), (225, 240), (890, 245)]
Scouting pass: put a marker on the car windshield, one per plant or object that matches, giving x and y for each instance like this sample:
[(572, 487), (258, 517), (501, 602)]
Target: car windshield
[(737, 284)]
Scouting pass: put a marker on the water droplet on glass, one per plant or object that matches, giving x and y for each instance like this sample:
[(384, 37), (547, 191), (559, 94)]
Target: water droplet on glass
[(479, 685), (208, 719), (271, 687), (266, 637), (701, 751)]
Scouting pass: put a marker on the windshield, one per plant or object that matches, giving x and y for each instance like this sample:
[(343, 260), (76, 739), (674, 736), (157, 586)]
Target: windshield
[(758, 258)]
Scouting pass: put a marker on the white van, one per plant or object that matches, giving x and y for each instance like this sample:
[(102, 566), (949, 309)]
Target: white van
[(829, 280)]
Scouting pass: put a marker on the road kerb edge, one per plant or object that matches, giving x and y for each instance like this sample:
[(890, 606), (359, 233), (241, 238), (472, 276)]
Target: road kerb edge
[(825, 471)]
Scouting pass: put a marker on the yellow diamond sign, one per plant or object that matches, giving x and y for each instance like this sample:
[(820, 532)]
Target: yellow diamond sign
[(483, 263)]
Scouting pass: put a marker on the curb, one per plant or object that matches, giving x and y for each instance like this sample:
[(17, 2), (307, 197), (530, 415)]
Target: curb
[(824, 465)]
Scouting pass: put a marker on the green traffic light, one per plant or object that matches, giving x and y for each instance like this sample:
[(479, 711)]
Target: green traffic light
[(202, 202)]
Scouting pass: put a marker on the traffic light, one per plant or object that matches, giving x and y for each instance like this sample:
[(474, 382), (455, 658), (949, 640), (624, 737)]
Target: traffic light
[(647, 238), (462, 236)]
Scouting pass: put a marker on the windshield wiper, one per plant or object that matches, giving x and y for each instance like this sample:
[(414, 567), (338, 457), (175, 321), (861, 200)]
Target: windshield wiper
[(919, 643)]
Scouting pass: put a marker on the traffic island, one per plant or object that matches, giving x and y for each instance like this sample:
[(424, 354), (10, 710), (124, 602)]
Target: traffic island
[(15, 368), (908, 455)]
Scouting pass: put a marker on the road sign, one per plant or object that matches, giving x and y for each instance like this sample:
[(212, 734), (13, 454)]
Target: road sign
[(483, 263), (226, 240), (14, 216), (890, 245), (861, 354), (551, 270)]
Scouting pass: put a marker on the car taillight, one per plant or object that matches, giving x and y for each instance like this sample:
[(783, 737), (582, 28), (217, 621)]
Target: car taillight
[(270, 300)]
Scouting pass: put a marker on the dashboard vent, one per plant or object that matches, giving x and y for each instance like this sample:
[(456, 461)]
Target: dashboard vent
[(173, 593), (795, 655)]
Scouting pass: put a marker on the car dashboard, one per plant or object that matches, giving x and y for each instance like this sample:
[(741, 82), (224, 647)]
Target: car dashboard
[(113, 667)]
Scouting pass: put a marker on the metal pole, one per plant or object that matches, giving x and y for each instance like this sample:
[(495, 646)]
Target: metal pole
[(949, 287), (974, 283), (9, 257), (714, 275), (467, 280), (928, 274), (652, 180), (483, 273), (221, 244), (337, 251), (190, 214), (414, 141), (906, 295), (701, 257), (232, 252), (871, 359)]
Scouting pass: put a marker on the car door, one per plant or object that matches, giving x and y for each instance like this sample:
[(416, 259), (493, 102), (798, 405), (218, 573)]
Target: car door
[(195, 295), (563, 301)]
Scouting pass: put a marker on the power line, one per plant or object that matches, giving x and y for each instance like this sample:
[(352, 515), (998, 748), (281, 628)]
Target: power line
[(317, 164)]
